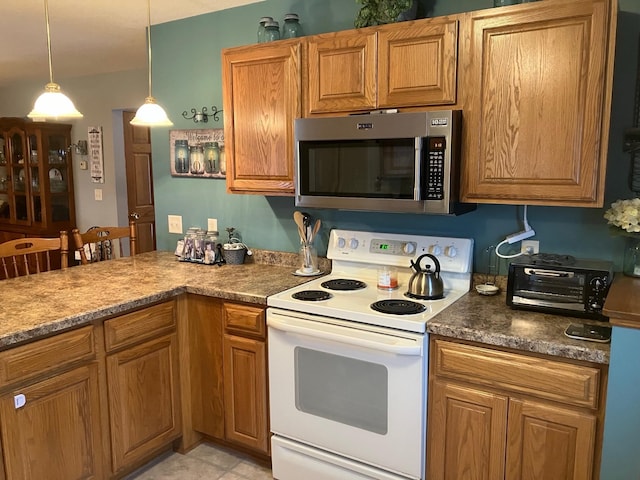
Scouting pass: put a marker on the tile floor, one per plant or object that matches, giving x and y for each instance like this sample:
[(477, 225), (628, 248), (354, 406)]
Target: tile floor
[(205, 462)]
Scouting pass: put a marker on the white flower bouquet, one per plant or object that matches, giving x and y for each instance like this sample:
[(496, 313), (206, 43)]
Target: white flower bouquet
[(625, 214)]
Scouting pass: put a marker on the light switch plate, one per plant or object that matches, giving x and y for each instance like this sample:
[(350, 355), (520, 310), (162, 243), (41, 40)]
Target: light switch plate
[(212, 224), (97, 194), (175, 223)]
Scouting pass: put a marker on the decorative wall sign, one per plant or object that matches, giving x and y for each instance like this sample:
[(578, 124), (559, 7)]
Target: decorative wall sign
[(96, 159), (197, 153)]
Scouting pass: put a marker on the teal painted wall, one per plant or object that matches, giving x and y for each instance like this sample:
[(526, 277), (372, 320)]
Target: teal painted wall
[(187, 73), (621, 444)]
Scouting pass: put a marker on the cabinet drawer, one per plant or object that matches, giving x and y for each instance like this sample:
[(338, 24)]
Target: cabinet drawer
[(141, 325), (50, 354), (244, 319), (539, 377)]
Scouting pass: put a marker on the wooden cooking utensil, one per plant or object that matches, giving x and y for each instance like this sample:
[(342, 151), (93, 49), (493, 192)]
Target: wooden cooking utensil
[(299, 219)]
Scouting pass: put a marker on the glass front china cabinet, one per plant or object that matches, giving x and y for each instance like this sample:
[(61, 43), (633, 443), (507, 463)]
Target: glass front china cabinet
[(36, 179)]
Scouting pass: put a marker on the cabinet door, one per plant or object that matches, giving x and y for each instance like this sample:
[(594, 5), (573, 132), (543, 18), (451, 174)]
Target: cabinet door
[(245, 392), (467, 432), (547, 442), (56, 434), (342, 72), (538, 87), (144, 400), (261, 97), (417, 64)]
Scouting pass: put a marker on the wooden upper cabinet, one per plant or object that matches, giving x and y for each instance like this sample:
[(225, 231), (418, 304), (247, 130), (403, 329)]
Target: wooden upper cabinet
[(262, 97), (418, 65), (537, 87), (342, 72), (410, 64)]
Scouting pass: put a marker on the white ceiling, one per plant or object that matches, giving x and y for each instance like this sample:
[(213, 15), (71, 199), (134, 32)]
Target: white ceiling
[(88, 37)]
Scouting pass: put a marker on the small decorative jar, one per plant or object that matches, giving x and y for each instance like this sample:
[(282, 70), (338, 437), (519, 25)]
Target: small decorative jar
[(631, 266), (188, 250), (291, 27), (182, 156), (261, 28), (196, 159), (210, 243), (211, 157), (271, 31)]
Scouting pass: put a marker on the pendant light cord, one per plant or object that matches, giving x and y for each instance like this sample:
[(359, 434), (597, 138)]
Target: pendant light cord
[(149, 41), (46, 16)]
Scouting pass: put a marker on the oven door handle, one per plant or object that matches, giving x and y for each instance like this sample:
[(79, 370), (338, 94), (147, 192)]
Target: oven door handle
[(375, 341)]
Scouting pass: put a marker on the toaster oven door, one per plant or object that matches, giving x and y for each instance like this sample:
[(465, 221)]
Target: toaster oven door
[(546, 288)]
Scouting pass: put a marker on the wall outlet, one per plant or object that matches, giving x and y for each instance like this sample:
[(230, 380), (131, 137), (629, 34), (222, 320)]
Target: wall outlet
[(212, 224), (175, 223), (529, 247)]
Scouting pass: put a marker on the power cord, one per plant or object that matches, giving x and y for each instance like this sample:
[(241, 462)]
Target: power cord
[(528, 232)]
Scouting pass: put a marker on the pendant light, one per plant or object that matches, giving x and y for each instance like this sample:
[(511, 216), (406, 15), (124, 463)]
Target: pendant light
[(52, 104), (150, 114)]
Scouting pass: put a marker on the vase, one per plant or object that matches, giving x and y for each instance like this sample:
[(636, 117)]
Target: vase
[(631, 265)]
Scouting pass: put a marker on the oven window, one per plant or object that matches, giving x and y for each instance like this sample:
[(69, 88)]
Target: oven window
[(358, 168), (342, 389)]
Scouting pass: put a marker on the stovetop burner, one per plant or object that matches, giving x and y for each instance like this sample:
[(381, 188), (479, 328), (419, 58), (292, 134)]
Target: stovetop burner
[(552, 259), (343, 284), (398, 307), (312, 295)]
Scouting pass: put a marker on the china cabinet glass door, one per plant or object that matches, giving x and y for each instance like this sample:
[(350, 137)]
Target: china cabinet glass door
[(19, 173), (57, 176)]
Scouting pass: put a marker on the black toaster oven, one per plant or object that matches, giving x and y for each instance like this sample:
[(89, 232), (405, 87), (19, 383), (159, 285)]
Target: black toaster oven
[(559, 284)]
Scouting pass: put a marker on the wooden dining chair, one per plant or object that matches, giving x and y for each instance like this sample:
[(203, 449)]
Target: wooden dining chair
[(98, 243), (26, 256)]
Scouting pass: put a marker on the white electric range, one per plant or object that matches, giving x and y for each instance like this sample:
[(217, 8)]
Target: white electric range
[(348, 383)]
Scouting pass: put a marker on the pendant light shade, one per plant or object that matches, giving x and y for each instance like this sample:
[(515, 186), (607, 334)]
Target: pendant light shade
[(150, 114), (52, 104)]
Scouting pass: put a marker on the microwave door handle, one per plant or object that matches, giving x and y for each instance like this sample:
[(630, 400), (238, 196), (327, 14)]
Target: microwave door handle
[(549, 273), (390, 344), (417, 188)]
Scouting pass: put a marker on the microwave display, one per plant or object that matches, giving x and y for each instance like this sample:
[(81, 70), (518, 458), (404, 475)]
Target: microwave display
[(362, 168)]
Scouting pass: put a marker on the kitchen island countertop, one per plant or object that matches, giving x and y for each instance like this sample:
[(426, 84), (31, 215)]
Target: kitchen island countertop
[(40, 305)]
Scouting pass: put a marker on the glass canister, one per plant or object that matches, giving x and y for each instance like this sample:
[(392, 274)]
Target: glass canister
[(196, 159), (271, 31), (189, 243), (210, 242), (182, 156), (261, 27), (211, 157), (308, 259), (291, 27)]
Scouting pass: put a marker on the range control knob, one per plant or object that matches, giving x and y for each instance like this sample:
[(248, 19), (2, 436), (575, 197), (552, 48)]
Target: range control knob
[(435, 250), (353, 243), (408, 248), (451, 251), (341, 242)]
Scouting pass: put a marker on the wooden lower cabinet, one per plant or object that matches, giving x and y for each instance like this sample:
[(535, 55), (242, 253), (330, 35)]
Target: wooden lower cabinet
[(228, 372), (55, 435), (143, 386), (245, 392), (482, 426)]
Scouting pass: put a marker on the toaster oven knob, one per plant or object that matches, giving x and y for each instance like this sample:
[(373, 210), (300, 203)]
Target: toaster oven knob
[(435, 249), (451, 251)]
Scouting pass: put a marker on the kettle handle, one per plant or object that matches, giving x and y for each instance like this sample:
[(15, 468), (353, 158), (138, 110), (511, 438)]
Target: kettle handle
[(432, 257)]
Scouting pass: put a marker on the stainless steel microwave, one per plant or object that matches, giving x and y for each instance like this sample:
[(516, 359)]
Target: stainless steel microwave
[(386, 162)]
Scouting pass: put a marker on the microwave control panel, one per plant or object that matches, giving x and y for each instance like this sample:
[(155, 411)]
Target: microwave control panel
[(435, 153)]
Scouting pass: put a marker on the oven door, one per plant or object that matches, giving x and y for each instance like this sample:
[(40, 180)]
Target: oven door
[(354, 390)]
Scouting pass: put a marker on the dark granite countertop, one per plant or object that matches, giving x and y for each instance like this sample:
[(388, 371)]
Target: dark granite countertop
[(39, 305)]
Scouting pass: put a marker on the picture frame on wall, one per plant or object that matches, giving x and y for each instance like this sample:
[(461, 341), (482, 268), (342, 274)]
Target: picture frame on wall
[(197, 153)]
